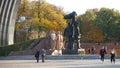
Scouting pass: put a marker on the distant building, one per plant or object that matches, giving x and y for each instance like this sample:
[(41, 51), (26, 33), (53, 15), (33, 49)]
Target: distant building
[(8, 11)]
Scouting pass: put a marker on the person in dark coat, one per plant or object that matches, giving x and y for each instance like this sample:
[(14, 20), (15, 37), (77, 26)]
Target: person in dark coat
[(102, 54), (93, 50), (37, 56)]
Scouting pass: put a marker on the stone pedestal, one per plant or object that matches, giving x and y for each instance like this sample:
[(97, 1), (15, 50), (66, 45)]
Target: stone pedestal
[(81, 51), (57, 52), (70, 51)]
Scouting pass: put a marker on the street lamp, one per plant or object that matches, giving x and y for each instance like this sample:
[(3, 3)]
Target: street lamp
[(21, 19), (27, 26)]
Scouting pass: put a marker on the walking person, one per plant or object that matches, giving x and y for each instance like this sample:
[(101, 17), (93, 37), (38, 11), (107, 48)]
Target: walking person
[(113, 55), (88, 50), (102, 54), (43, 52), (37, 56), (93, 50)]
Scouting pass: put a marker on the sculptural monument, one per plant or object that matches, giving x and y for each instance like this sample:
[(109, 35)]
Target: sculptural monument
[(53, 43), (72, 34)]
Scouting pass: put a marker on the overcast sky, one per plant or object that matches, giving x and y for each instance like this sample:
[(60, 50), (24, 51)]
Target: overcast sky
[(80, 6)]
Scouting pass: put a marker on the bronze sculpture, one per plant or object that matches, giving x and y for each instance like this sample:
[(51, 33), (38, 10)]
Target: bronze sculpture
[(72, 31)]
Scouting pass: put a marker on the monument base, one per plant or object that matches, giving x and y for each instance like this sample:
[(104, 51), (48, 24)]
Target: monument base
[(74, 51), (81, 51), (70, 51), (57, 52)]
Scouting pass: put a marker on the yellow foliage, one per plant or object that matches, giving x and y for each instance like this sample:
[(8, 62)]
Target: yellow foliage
[(55, 25), (42, 16), (97, 34), (18, 26)]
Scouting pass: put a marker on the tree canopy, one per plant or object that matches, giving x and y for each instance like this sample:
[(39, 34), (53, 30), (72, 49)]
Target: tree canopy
[(100, 25), (41, 16), (96, 25)]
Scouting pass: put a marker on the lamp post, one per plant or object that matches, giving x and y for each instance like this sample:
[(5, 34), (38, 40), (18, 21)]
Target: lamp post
[(21, 19), (27, 26)]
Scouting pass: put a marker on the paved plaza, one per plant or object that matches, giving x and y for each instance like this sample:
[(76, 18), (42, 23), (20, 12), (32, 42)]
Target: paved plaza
[(91, 63)]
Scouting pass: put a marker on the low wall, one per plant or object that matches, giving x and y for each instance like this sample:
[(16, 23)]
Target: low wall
[(109, 47), (85, 46)]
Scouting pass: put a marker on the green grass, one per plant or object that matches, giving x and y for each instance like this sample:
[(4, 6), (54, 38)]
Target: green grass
[(4, 51)]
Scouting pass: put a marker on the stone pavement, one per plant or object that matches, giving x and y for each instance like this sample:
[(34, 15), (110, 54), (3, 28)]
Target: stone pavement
[(73, 63)]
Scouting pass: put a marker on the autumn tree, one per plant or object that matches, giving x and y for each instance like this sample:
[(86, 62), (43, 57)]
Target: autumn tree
[(41, 16), (47, 17), (89, 32)]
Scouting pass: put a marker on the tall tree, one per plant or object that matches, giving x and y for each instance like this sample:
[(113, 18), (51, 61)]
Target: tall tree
[(107, 20), (89, 32), (41, 16)]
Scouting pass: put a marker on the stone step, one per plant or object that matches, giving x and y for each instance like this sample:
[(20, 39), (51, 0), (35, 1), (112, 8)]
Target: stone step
[(50, 57)]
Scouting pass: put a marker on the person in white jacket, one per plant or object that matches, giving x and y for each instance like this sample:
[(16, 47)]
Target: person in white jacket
[(113, 55)]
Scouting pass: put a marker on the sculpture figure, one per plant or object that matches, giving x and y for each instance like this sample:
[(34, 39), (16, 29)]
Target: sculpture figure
[(72, 31), (53, 43)]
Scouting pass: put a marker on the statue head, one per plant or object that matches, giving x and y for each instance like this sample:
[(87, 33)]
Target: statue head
[(71, 15)]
